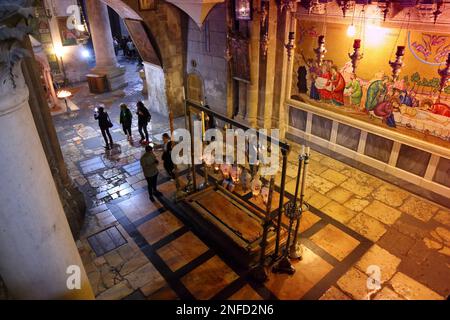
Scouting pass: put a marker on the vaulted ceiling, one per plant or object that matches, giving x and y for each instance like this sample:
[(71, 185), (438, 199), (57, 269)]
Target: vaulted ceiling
[(197, 9)]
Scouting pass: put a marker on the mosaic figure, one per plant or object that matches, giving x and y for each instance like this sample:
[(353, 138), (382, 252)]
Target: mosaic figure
[(338, 85), (376, 93), (354, 90)]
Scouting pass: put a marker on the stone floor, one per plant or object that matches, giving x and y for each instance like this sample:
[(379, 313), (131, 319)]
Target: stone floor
[(135, 249)]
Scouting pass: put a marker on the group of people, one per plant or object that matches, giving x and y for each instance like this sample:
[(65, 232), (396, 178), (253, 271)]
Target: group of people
[(327, 83), (149, 164), (148, 161), (126, 45), (126, 120)]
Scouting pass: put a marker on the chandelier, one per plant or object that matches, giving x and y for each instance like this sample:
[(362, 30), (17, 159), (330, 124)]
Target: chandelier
[(346, 6), (429, 12), (316, 7)]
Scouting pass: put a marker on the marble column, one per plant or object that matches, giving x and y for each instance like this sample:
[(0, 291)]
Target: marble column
[(105, 57), (36, 245)]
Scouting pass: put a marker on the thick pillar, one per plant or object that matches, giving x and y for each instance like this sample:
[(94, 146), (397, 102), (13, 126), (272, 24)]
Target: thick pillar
[(105, 57), (252, 89), (36, 245)]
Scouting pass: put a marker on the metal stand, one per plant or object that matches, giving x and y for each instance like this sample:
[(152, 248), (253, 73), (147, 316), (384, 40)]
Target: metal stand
[(259, 273), (293, 210), (296, 251), (284, 265)]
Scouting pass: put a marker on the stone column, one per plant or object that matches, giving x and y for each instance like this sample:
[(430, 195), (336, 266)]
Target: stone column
[(270, 66), (36, 245), (252, 88), (282, 75), (105, 57)]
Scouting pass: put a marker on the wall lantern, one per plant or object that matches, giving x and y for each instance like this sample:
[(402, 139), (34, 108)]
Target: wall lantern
[(243, 10)]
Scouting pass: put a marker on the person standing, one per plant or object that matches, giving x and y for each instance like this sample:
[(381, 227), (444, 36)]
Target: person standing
[(167, 156), (144, 118), (104, 123), (149, 165), (126, 120)]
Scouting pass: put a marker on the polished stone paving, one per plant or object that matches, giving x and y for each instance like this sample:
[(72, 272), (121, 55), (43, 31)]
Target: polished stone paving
[(356, 224)]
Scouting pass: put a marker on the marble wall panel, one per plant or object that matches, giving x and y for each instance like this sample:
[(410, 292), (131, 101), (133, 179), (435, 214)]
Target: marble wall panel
[(378, 147), (413, 160), (442, 175), (297, 118), (321, 127), (348, 137)]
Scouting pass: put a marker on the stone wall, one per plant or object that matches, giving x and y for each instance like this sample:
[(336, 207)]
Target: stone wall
[(156, 88), (206, 46), (165, 25)]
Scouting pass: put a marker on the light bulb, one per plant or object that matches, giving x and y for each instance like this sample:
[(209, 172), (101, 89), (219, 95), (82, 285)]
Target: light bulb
[(351, 30), (85, 53), (59, 51)]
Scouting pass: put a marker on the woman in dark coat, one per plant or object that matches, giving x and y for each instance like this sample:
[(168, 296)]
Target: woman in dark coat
[(104, 123), (143, 120), (126, 119)]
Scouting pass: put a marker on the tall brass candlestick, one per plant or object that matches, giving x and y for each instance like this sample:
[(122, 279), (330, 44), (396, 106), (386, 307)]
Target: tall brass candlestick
[(295, 251)]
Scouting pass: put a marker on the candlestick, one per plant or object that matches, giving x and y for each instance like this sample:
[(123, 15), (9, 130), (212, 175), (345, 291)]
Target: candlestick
[(445, 75), (356, 55), (398, 63), (290, 45), (295, 250), (320, 50)]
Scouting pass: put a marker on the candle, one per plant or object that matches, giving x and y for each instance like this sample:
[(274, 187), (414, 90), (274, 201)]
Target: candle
[(357, 43), (303, 150), (203, 125), (400, 50), (292, 26), (308, 150), (184, 93)]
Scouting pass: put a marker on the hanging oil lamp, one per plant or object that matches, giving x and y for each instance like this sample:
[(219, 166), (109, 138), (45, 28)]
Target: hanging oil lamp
[(445, 75), (290, 45), (356, 55), (320, 50), (398, 63), (437, 12), (384, 6), (345, 6)]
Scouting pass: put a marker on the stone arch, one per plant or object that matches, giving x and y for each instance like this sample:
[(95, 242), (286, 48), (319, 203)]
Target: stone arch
[(164, 28)]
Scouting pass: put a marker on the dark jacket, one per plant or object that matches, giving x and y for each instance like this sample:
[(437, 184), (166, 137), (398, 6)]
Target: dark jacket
[(167, 154), (103, 120), (143, 115), (126, 117), (149, 164)]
